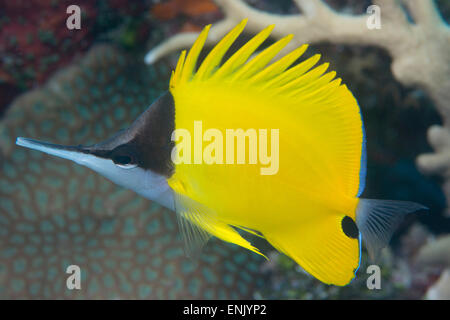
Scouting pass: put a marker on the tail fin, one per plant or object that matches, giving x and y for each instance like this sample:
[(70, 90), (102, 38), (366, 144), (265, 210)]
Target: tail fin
[(378, 219)]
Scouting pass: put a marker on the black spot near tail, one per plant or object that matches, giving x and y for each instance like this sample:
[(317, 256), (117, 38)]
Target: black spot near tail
[(349, 227)]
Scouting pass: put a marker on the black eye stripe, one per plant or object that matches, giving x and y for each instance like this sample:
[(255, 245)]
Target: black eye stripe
[(147, 141), (349, 227)]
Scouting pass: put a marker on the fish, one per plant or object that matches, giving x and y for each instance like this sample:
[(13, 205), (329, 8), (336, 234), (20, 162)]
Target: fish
[(203, 150)]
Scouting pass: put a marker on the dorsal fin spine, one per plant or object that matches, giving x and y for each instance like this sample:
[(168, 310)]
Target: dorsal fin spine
[(262, 59), (293, 72), (215, 56), (315, 85), (175, 79), (326, 91), (242, 55), (279, 66), (276, 79), (305, 78), (191, 59)]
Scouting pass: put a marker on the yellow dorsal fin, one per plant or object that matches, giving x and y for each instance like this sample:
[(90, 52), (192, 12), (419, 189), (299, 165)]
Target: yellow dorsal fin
[(279, 66), (261, 60), (316, 84), (303, 80), (241, 56), (175, 79), (191, 59), (292, 73), (275, 79), (215, 56)]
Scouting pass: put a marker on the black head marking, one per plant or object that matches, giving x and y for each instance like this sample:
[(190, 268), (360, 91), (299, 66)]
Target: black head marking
[(147, 142), (349, 227)]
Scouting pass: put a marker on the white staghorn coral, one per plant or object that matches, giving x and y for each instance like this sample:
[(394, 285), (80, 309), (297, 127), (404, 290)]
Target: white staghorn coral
[(420, 50)]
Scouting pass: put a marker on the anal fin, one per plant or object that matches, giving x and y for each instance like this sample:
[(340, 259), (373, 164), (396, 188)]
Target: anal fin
[(320, 246)]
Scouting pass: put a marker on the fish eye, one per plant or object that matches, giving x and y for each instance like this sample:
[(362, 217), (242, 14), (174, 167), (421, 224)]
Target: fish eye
[(124, 162), (123, 159)]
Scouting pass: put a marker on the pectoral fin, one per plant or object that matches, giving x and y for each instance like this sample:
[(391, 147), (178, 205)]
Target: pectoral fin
[(198, 223)]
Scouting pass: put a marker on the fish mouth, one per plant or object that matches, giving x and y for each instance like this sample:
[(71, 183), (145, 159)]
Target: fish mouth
[(74, 153)]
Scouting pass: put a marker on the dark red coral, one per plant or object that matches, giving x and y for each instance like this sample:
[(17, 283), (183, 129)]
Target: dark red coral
[(186, 15), (35, 41)]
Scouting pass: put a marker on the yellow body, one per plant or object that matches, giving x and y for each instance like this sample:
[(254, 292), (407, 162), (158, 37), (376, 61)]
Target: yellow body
[(300, 208)]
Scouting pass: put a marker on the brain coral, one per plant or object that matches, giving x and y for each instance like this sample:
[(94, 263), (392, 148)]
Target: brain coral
[(54, 213)]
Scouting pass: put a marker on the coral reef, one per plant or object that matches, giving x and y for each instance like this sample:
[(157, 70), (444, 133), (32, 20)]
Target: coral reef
[(407, 273), (441, 289), (423, 264), (54, 213), (419, 50), (435, 253), (434, 258)]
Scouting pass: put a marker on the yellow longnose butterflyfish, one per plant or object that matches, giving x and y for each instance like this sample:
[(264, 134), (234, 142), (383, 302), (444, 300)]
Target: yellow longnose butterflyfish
[(276, 149)]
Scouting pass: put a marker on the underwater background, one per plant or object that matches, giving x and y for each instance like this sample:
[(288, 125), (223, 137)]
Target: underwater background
[(80, 86)]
